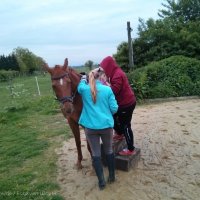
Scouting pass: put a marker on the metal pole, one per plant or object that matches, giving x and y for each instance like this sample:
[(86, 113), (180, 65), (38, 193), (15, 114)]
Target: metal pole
[(130, 48), (37, 85)]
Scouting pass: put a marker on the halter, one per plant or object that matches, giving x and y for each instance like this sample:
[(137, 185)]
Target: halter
[(65, 98)]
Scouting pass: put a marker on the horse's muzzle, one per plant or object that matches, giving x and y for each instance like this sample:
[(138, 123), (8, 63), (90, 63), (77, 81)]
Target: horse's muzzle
[(67, 109)]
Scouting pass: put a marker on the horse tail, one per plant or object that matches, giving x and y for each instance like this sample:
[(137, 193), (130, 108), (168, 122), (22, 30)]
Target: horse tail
[(93, 88)]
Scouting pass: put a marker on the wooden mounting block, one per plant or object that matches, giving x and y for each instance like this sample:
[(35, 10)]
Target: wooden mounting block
[(124, 163)]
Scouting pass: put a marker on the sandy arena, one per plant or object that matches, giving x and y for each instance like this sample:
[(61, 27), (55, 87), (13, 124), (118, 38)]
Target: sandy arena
[(168, 134)]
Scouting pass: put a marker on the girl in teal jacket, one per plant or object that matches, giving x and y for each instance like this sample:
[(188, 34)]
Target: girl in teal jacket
[(99, 105)]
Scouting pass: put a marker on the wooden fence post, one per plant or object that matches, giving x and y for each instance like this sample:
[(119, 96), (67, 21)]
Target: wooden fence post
[(130, 47)]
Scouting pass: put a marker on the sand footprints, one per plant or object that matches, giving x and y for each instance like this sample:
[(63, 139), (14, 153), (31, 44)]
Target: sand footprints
[(194, 141), (196, 155), (185, 132)]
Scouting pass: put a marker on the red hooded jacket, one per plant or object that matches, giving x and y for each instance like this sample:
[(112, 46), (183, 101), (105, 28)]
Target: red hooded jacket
[(119, 82)]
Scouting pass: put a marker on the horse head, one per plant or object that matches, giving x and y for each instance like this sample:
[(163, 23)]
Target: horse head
[(64, 84)]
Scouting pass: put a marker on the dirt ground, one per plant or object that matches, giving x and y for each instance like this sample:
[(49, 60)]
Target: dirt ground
[(168, 134)]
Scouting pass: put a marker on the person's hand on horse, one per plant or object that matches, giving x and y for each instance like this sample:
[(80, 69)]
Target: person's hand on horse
[(84, 78)]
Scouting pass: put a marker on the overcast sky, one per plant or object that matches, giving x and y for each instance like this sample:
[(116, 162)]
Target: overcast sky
[(80, 30)]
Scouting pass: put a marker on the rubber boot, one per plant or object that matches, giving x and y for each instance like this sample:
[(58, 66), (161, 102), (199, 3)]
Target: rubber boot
[(111, 167), (99, 171)]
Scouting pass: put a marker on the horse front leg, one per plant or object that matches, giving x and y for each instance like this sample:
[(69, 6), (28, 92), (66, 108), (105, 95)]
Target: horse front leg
[(76, 132), (89, 149)]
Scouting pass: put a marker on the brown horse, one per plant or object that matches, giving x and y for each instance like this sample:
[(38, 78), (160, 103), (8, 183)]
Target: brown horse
[(64, 83)]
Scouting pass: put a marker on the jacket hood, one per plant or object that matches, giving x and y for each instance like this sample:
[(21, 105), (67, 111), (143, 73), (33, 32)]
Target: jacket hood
[(109, 66)]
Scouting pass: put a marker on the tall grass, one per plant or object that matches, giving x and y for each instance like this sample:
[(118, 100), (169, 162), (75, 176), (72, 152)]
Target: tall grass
[(31, 127)]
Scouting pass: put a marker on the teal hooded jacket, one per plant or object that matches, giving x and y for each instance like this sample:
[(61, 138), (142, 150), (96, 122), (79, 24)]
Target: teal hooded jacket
[(97, 115)]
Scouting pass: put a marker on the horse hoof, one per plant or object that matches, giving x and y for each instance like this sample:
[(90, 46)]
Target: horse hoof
[(79, 166)]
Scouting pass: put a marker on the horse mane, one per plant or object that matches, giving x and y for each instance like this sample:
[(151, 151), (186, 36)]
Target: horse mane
[(72, 70)]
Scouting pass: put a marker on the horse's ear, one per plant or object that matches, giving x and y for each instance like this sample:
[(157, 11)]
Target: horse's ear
[(47, 68), (65, 64)]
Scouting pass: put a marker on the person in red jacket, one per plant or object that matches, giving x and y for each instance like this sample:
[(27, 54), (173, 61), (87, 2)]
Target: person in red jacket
[(126, 101)]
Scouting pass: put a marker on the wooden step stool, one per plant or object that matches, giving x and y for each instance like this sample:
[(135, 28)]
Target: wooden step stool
[(124, 163)]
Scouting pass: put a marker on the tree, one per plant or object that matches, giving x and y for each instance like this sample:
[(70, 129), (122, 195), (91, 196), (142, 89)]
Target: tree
[(121, 56), (175, 33), (181, 10), (89, 64), (28, 62), (9, 62)]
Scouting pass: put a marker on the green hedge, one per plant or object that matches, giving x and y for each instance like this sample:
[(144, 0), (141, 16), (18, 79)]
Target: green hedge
[(171, 77), (6, 75)]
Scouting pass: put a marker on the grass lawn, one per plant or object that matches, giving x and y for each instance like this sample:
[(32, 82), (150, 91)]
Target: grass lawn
[(31, 127)]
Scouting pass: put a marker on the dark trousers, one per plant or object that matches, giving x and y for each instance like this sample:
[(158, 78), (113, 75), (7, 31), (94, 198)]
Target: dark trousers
[(122, 124), (93, 138)]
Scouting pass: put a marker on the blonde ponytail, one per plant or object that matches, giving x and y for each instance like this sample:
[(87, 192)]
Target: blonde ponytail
[(99, 74), (93, 88)]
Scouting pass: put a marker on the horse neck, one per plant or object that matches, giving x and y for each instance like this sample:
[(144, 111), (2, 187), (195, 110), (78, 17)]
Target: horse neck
[(75, 78)]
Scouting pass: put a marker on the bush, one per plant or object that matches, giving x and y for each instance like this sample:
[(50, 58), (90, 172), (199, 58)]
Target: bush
[(6, 75), (170, 77)]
